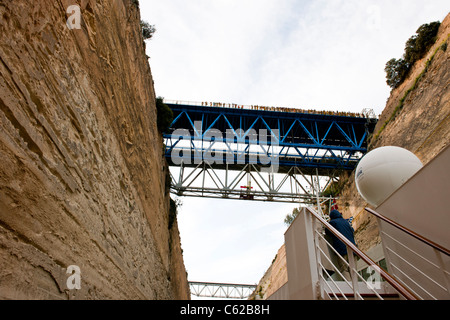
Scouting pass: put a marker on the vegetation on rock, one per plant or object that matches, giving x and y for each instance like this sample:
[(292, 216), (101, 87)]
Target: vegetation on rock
[(416, 47)]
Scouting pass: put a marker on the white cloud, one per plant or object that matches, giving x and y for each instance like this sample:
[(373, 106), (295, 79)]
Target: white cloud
[(323, 54), (229, 240)]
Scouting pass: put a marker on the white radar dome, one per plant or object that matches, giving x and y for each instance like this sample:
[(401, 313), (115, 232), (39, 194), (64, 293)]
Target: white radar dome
[(382, 171)]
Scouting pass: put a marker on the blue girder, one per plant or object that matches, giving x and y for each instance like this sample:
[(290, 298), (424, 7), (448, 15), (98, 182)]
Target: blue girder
[(317, 141)]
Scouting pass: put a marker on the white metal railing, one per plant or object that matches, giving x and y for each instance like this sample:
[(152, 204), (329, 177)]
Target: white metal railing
[(420, 263), (342, 280)]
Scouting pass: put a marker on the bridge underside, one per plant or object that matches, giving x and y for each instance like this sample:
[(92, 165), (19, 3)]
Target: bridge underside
[(250, 183), (221, 290), (236, 153)]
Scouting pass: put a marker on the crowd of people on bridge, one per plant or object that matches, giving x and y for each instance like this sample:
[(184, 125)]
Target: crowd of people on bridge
[(282, 109)]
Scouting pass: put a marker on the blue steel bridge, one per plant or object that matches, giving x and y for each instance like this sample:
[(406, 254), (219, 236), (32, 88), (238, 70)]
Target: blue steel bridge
[(262, 153)]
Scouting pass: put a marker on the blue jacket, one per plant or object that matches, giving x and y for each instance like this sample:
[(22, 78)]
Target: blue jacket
[(344, 227)]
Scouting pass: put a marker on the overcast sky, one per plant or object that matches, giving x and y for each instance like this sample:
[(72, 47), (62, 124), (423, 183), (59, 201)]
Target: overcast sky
[(310, 54)]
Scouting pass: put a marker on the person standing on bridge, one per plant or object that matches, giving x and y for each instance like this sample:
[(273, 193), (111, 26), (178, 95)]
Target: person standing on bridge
[(344, 227)]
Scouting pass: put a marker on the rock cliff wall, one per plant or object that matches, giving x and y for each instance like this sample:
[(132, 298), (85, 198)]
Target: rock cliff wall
[(274, 278), (417, 118), (82, 175), (421, 125)]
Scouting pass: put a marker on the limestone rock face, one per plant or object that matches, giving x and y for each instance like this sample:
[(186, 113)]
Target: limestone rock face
[(82, 174), (421, 126)]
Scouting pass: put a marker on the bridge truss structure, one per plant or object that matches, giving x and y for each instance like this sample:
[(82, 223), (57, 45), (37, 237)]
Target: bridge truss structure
[(221, 290), (248, 154)]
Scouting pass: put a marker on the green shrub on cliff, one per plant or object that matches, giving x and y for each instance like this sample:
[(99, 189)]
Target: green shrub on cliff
[(148, 30), (291, 217), (164, 115), (396, 72), (173, 211), (415, 49)]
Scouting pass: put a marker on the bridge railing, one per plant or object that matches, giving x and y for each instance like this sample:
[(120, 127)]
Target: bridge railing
[(366, 113)]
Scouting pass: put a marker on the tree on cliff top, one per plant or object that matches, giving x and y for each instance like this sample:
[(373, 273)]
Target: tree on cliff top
[(415, 49)]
